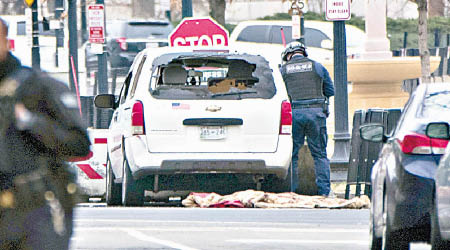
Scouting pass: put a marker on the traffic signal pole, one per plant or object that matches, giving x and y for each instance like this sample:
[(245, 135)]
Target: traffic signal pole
[(35, 54), (59, 8)]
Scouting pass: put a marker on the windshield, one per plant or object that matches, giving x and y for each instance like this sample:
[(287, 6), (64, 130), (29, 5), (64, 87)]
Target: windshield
[(212, 77)]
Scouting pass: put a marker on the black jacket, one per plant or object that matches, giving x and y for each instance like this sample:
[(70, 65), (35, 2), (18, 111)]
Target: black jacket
[(54, 131)]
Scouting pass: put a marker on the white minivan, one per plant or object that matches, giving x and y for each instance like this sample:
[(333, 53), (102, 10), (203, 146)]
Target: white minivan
[(198, 121)]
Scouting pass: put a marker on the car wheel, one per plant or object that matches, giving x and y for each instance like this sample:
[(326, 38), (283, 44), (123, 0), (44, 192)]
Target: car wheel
[(113, 190), (437, 243), (132, 191), (391, 240)]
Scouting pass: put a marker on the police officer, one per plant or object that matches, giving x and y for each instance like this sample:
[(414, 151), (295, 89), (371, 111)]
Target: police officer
[(40, 129), (309, 85)]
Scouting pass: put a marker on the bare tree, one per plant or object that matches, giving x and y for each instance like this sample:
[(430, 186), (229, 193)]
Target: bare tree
[(422, 7), (143, 8), (217, 10)]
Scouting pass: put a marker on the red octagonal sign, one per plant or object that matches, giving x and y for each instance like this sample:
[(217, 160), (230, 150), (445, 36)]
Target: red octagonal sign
[(198, 32)]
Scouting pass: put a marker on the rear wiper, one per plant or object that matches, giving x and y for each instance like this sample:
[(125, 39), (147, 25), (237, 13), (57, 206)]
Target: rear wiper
[(234, 93), (438, 93)]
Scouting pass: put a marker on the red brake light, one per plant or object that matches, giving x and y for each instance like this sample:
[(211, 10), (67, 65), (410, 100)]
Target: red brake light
[(137, 119), (286, 118), (422, 144), (122, 43)]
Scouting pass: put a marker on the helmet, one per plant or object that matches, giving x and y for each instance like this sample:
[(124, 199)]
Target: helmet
[(293, 47)]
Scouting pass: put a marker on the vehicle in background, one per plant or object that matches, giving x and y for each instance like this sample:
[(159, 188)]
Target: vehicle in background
[(440, 213), (403, 176), (198, 121), (125, 39), (318, 37)]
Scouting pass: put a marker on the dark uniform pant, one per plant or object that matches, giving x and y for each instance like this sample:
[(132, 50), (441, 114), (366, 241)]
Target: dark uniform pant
[(311, 122)]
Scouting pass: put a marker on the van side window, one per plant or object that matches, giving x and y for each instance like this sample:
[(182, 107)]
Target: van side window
[(125, 87), (138, 73)]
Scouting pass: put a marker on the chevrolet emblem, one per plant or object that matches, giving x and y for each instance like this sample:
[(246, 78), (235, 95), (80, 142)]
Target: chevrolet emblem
[(213, 108)]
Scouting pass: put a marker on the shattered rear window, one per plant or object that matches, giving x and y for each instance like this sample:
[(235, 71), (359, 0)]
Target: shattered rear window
[(211, 76), (436, 105)]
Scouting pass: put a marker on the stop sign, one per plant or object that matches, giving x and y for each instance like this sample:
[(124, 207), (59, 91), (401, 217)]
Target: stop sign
[(198, 32)]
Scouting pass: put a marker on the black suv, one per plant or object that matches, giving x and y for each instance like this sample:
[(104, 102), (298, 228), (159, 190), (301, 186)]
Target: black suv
[(126, 38)]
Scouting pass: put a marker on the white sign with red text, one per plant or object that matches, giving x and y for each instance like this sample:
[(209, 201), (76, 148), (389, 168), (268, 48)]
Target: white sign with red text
[(197, 32), (337, 10), (96, 23)]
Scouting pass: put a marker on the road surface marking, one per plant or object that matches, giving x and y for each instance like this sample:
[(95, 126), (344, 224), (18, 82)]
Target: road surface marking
[(224, 229), (284, 241), (281, 224), (140, 236)]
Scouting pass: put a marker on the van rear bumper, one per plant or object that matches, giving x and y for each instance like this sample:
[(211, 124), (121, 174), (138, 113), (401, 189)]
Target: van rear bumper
[(143, 163)]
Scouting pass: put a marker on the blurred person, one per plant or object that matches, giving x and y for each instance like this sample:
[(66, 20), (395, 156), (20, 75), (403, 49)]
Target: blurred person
[(309, 86), (40, 129)]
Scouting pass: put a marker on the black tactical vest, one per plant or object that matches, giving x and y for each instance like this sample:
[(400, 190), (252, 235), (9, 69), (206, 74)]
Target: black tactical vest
[(301, 79)]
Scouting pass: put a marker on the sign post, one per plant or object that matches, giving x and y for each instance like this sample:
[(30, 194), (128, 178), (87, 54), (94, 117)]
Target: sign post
[(199, 32), (338, 11)]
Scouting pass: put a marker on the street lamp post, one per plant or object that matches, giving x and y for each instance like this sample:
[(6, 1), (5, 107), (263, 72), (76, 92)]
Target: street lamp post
[(342, 137)]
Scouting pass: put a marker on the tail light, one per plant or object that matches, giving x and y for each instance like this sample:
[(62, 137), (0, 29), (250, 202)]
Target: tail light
[(422, 144), (12, 45), (122, 43), (286, 118), (137, 119)]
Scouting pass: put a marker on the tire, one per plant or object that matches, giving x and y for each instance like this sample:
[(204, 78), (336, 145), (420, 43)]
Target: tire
[(113, 190), (132, 190), (437, 243), (392, 240)]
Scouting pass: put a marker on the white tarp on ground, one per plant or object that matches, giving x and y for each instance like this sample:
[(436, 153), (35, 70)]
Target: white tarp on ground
[(260, 199)]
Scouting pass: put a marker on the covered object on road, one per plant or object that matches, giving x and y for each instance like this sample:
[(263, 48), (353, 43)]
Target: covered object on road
[(260, 199)]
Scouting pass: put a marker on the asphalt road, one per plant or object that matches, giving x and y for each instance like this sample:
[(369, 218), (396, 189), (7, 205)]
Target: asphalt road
[(99, 227)]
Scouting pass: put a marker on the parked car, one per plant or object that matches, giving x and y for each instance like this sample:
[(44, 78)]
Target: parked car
[(126, 38), (403, 176), (440, 213), (198, 121), (318, 37)]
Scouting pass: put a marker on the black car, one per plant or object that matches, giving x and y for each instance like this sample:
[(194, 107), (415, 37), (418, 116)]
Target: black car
[(403, 176), (126, 38)]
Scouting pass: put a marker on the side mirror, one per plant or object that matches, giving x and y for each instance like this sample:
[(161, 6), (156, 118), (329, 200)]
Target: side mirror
[(438, 130), (372, 132), (105, 101), (326, 44)]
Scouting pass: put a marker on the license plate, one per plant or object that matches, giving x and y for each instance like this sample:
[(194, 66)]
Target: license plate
[(213, 133)]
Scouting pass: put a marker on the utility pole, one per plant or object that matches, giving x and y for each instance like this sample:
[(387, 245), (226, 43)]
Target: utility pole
[(73, 44), (35, 54), (102, 75), (59, 9), (186, 8)]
